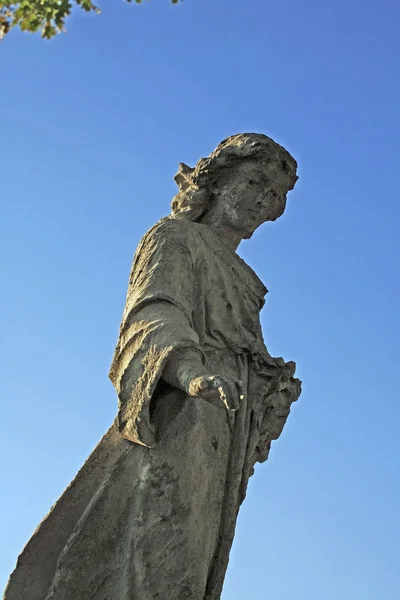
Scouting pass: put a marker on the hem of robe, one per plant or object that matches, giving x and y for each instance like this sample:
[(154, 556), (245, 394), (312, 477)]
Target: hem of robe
[(37, 563)]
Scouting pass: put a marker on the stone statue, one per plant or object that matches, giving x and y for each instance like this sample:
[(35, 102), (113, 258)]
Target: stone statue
[(151, 515)]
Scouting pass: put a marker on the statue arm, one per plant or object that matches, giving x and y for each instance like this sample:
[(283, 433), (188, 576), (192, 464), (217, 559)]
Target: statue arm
[(157, 339), (183, 366)]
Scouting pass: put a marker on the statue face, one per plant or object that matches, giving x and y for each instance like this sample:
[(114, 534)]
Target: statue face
[(252, 194)]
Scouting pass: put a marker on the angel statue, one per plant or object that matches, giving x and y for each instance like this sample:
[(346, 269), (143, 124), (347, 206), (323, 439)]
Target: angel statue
[(151, 515)]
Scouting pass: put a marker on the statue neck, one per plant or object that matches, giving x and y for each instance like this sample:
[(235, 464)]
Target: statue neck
[(226, 234)]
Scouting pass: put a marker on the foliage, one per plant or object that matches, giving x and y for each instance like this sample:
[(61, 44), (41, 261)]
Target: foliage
[(46, 16)]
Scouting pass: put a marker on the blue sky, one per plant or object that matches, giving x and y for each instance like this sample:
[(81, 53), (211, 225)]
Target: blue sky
[(94, 124)]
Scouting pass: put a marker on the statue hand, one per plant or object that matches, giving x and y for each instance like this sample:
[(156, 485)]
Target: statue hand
[(217, 388), (186, 371)]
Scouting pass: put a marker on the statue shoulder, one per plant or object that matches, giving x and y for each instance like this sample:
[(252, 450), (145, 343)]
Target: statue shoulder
[(171, 229), (168, 238)]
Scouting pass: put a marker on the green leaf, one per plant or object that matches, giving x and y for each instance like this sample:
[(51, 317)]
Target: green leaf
[(46, 16)]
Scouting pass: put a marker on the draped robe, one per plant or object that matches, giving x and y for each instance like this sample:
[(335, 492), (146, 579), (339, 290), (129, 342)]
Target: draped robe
[(151, 515)]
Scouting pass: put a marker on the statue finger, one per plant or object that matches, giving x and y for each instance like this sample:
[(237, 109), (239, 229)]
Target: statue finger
[(229, 395)]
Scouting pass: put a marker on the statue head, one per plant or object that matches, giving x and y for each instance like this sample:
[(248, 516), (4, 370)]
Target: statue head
[(249, 174)]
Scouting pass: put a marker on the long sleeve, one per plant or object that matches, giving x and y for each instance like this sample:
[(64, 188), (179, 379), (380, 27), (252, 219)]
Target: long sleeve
[(157, 321)]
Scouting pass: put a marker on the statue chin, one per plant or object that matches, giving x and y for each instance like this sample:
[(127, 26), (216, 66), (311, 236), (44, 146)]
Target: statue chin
[(248, 235)]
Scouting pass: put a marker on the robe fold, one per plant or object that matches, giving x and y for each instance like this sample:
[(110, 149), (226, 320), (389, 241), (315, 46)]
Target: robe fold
[(152, 513)]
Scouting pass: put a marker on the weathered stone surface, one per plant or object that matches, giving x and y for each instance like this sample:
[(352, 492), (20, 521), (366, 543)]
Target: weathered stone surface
[(152, 513)]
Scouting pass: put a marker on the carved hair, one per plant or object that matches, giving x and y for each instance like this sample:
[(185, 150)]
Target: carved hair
[(195, 184)]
